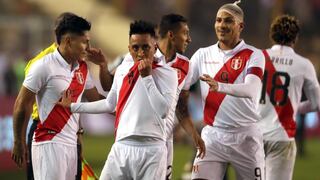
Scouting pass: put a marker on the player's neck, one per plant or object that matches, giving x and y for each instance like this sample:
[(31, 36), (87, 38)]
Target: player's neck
[(228, 45), (66, 56), (167, 50)]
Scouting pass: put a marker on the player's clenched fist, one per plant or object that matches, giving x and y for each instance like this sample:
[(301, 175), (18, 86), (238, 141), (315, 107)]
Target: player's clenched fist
[(145, 67)]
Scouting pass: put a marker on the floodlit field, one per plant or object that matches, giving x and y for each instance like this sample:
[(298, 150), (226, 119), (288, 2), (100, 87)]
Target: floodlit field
[(96, 150)]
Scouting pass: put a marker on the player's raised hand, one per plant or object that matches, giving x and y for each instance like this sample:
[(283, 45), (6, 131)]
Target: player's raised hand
[(18, 153), (96, 56), (210, 81), (200, 145), (66, 99), (145, 66)]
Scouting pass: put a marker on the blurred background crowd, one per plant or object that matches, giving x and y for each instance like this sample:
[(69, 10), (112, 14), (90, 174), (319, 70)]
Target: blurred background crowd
[(26, 27)]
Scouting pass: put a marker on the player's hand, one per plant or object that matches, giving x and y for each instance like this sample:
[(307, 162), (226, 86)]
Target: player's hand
[(18, 153), (200, 145), (210, 81), (145, 67), (97, 57), (66, 99)]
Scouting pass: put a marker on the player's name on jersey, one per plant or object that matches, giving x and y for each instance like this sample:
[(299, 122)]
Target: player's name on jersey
[(283, 61)]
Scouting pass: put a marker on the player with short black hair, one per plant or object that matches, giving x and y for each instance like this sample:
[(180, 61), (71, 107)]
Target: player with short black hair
[(141, 95)]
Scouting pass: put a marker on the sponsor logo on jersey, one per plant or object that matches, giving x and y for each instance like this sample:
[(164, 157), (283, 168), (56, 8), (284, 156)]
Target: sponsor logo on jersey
[(224, 77), (211, 62)]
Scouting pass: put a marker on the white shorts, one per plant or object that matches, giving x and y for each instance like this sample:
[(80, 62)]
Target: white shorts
[(241, 147), (53, 161), (169, 144), (137, 162), (280, 158)]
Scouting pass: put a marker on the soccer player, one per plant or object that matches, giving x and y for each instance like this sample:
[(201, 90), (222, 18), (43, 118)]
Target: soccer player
[(173, 40), (142, 93), (106, 82), (286, 75), (231, 72), (55, 137)]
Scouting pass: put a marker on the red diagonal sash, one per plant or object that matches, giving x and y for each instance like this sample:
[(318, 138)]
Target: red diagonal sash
[(285, 112), (128, 83), (59, 116), (182, 67), (214, 99)]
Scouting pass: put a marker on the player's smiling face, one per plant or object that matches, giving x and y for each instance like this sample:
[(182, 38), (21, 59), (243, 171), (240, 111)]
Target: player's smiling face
[(227, 29), (141, 46)]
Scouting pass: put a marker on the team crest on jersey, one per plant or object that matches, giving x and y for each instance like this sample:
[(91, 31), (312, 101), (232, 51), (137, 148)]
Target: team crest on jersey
[(236, 63), (79, 77)]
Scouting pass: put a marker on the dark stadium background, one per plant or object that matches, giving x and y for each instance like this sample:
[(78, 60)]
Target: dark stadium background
[(26, 27)]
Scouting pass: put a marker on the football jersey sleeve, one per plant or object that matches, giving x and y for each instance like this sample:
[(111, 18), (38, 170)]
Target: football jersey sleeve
[(311, 90), (256, 63), (248, 89), (161, 102), (310, 77), (252, 82), (96, 107), (193, 74), (36, 77)]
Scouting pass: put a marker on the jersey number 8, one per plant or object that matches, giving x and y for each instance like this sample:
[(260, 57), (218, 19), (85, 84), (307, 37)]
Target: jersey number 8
[(276, 86)]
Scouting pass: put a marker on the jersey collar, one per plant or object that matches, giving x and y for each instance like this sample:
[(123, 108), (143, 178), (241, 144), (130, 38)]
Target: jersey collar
[(159, 57), (232, 51), (63, 62), (282, 48)]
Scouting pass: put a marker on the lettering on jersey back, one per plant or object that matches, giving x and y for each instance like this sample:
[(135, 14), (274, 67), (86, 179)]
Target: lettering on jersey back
[(229, 72), (283, 61), (284, 110)]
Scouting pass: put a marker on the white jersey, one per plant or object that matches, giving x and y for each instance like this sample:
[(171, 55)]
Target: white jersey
[(48, 78), (231, 67), (181, 65), (136, 114), (286, 74)]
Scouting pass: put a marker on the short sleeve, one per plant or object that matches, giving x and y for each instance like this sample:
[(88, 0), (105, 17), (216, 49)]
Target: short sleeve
[(256, 64), (193, 74), (36, 77), (310, 76)]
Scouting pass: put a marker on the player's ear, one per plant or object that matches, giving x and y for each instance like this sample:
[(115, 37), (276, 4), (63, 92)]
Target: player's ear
[(170, 34), (241, 25), (67, 39)]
